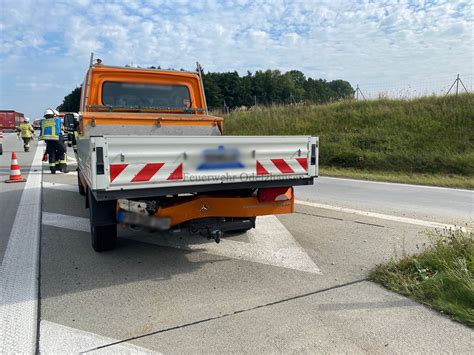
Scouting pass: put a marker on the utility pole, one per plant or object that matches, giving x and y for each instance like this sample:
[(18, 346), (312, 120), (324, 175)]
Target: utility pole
[(456, 82), (457, 85), (255, 100), (357, 92)]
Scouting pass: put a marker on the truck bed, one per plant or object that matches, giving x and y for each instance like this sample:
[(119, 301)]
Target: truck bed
[(118, 166)]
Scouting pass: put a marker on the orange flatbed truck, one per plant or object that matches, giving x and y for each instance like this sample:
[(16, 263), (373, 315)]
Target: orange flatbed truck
[(150, 156)]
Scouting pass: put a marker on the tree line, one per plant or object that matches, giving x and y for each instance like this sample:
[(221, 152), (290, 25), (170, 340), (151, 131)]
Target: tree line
[(271, 87), (230, 90)]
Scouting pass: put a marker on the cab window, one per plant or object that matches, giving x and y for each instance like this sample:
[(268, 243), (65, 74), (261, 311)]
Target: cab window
[(137, 95)]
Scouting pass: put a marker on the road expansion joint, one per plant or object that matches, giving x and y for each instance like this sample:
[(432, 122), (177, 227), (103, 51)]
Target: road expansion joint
[(226, 315), (341, 219)]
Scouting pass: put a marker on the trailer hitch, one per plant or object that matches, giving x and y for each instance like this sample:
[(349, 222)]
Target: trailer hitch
[(215, 234)]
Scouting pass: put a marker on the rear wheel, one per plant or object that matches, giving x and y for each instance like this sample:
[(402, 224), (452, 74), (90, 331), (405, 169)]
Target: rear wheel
[(1, 149), (81, 189), (103, 238), (103, 225)]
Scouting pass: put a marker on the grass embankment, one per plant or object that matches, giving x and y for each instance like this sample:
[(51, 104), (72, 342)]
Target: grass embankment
[(441, 277), (428, 140)]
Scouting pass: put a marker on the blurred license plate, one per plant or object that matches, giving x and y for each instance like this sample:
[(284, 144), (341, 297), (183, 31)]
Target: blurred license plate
[(221, 158), (161, 223)]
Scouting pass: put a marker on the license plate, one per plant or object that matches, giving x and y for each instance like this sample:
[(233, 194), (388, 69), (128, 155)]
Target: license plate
[(161, 223), (220, 158)]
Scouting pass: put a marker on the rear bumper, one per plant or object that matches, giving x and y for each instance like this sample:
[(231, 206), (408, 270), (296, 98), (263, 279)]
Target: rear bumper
[(101, 195), (208, 206)]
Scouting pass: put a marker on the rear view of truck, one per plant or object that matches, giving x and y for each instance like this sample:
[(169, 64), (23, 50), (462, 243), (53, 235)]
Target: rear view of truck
[(150, 156), (10, 119)]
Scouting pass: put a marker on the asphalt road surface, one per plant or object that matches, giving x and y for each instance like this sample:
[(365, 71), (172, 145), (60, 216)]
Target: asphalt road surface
[(454, 206), (297, 283)]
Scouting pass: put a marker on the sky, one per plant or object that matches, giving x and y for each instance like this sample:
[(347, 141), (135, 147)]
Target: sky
[(382, 46)]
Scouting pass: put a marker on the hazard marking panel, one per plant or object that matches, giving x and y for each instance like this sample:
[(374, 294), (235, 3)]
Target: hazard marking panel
[(282, 166), (149, 172)]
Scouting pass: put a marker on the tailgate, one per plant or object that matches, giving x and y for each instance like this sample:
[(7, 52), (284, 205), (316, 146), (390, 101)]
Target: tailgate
[(138, 162)]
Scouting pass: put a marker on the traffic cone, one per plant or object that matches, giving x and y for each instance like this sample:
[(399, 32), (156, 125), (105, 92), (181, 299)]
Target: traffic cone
[(15, 173)]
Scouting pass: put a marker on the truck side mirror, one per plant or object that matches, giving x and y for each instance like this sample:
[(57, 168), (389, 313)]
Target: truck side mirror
[(69, 122)]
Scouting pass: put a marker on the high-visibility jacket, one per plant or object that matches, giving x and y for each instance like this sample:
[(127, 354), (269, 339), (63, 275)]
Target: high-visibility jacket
[(26, 130), (50, 128)]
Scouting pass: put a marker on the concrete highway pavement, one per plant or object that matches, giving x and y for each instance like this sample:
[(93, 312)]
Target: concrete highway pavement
[(185, 294), (297, 283), (454, 206)]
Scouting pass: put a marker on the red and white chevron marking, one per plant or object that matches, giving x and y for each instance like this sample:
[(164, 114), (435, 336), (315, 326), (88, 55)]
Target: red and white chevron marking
[(282, 166), (151, 172)]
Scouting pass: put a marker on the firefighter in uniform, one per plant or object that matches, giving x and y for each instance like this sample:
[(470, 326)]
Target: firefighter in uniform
[(62, 137), (26, 132), (51, 131), (73, 136)]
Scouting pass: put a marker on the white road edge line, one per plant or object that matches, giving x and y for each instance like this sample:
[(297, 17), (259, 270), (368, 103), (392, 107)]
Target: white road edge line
[(19, 269), (396, 183), (418, 222)]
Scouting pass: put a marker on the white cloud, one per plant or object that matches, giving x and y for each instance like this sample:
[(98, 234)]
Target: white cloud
[(376, 44)]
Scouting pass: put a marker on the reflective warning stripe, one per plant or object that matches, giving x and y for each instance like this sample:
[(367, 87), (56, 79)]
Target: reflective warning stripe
[(150, 172), (282, 166), (147, 172), (115, 170)]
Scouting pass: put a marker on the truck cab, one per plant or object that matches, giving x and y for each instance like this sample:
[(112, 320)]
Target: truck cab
[(150, 155)]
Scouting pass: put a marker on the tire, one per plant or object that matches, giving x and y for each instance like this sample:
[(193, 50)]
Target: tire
[(81, 189), (1, 149), (103, 235), (103, 238)]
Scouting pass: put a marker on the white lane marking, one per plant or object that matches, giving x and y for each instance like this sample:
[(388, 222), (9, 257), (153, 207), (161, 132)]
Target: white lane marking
[(58, 186), (19, 269), (60, 339), (418, 222), (79, 224), (270, 242), (453, 189)]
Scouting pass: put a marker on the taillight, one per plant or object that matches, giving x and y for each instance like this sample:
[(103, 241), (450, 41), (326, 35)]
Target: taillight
[(275, 194)]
